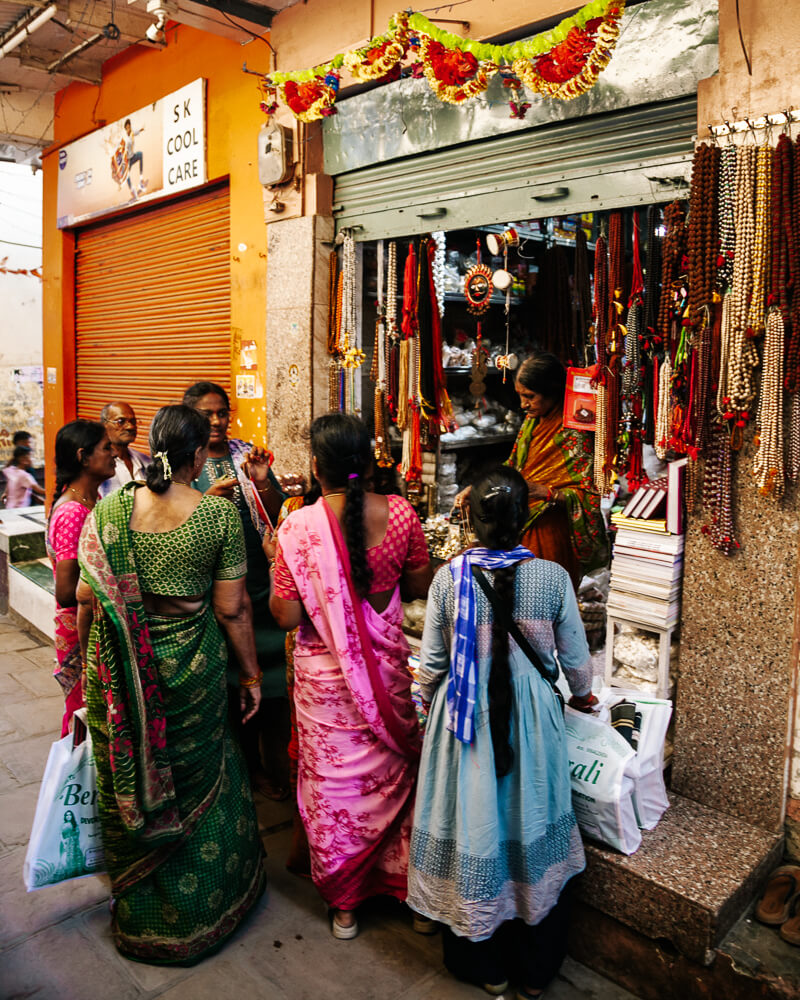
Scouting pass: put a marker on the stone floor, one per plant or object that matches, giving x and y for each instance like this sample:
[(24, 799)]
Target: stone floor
[(55, 943)]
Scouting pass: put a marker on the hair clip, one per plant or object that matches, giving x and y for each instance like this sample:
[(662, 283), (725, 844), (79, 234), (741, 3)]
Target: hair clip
[(165, 462)]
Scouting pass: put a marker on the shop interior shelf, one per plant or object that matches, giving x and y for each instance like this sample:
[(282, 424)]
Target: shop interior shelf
[(467, 370), (479, 441)]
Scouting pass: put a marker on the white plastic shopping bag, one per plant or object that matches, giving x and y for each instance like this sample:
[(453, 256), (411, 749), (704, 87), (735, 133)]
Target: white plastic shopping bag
[(65, 840), (649, 791), (600, 761)]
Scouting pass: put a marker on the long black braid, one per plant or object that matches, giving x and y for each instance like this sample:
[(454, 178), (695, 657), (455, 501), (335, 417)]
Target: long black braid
[(499, 506), (341, 445)]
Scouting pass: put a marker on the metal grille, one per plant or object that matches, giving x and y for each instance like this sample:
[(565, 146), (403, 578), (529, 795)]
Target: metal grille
[(152, 305)]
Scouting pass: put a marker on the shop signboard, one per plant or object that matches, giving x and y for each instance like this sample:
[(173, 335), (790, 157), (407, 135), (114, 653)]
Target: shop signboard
[(155, 151)]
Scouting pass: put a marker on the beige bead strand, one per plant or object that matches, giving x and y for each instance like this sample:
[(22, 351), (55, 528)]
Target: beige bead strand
[(768, 464)]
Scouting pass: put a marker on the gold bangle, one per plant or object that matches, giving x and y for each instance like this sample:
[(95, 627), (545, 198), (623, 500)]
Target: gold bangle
[(248, 681)]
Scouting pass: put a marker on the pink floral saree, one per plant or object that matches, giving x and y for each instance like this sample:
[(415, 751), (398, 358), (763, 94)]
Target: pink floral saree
[(357, 729)]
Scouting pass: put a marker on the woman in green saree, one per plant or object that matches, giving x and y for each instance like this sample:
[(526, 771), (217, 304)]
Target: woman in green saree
[(162, 568)]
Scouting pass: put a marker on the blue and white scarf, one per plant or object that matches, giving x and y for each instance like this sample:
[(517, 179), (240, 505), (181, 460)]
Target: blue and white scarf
[(463, 677)]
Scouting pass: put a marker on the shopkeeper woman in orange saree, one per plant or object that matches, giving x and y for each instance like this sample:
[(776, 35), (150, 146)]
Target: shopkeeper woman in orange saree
[(564, 523)]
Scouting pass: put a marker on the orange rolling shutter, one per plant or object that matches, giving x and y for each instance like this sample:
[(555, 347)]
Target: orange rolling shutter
[(152, 305)]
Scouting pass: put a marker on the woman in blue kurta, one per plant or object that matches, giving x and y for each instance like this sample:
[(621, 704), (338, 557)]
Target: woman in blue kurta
[(495, 839)]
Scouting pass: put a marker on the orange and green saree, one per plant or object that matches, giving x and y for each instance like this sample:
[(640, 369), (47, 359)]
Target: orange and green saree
[(574, 536)]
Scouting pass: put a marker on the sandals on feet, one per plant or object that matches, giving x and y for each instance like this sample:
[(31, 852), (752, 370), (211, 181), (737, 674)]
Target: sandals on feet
[(496, 990), (783, 885), (344, 932)]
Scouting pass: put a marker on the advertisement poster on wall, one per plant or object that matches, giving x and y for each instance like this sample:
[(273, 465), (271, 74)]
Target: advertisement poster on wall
[(155, 151)]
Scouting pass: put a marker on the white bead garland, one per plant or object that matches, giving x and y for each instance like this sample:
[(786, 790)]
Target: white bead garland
[(438, 269), (661, 441)]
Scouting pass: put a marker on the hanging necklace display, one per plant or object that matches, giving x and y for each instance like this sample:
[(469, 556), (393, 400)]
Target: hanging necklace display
[(379, 371), (790, 301), (351, 355), (601, 478), (392, 336), (478, 291), (768, 465), (334, 326), (437, 266), (718, 491), (652, 280), (631, 385), (502, 281)]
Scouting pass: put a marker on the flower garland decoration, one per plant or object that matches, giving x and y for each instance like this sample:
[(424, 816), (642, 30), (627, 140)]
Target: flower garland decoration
[(572, 67), (454, 75), (376, 60), (313, 99), (561, 63)]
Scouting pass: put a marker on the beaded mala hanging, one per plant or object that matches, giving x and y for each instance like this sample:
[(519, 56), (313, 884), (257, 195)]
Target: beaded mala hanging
[(630, 458), (334, 326), (692, 378), (718, 492), (602, 480), (351, 355), (727, 230), (379, 370), (652, 279), (582, 333), (737, 390), (790, 302), (392, 334)]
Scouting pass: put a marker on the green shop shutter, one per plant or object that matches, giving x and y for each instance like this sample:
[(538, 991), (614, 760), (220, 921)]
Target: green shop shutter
[(638, 156)]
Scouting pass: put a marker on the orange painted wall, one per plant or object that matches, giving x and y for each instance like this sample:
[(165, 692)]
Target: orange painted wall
[(131, 80)]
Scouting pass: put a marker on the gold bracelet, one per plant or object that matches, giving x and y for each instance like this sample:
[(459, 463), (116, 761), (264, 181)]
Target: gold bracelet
[(251, 681)]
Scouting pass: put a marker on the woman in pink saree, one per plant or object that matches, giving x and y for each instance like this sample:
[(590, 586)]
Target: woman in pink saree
[(340, 566)]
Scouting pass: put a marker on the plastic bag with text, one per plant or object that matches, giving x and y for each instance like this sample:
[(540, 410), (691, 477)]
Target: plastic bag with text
[(600, 763), (65, 841), (649, 791)]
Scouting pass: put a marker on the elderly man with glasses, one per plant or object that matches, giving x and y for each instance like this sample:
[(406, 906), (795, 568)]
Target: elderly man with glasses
[(120, 423)]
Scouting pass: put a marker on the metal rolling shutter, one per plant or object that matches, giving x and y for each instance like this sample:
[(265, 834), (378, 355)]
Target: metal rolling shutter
[(638, 156), (152, 305)]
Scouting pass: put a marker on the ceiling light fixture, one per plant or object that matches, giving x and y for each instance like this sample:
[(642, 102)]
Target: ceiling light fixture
[(25, 26)]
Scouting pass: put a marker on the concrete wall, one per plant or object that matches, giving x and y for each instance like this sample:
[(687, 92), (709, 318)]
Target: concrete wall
[(21, 296)]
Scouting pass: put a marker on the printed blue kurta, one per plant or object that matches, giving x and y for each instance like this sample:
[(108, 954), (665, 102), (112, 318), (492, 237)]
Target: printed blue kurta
[(486, 849)]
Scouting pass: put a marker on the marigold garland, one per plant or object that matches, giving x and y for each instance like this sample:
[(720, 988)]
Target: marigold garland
[(561, 63)]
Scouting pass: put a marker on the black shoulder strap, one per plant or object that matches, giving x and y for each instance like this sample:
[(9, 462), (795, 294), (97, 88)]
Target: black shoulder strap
[(503, 617)]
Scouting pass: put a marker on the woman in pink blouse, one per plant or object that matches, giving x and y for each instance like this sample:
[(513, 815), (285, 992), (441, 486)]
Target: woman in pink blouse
[(340, 566), (84, 459)]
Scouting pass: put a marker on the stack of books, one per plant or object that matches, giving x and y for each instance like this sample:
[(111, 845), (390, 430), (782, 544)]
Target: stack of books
[(646, 573), (659, 503)]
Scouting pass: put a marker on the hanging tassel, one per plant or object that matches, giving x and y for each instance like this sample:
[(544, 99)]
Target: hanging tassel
[(414, 472)]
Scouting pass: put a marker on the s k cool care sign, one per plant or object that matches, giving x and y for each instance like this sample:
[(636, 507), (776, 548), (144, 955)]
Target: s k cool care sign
[(155, 151)]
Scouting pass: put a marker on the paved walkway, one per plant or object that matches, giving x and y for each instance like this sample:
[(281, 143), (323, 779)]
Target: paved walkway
[(55, 943)]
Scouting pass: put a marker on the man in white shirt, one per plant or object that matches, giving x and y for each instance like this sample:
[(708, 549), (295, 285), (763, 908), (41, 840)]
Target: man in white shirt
[(120, 423)]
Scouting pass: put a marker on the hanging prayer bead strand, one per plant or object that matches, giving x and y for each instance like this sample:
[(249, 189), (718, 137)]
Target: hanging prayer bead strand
[(768, 463), (727, 230)]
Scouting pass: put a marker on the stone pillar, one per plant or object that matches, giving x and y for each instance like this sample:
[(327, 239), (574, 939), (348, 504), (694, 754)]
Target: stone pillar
[(297, 325), (736, 666)]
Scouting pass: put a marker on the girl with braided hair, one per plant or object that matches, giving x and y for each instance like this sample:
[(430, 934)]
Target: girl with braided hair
[(340, 566), (495, 839)]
